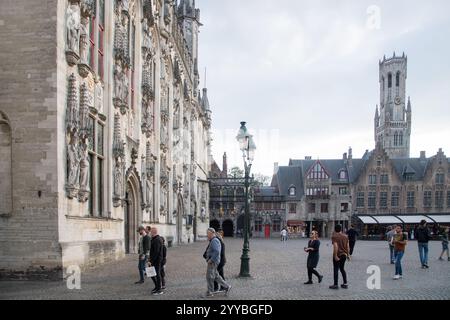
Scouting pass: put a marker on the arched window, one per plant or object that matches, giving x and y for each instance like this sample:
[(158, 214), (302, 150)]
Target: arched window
[(400, 139), (5, 166), (397, 80), (390, 80), (292, 191), (396, 139)]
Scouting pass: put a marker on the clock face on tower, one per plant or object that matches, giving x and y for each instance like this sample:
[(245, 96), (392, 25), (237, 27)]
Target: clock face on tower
[(398, 100)]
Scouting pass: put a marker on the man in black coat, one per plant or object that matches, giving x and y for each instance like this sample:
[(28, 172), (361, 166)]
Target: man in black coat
[(156, 258), (352, 235), (144, 252), (423, 236)]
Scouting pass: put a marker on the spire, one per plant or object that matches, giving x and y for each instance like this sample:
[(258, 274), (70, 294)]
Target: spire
[(225, 165), (204, 100), (409, 108)]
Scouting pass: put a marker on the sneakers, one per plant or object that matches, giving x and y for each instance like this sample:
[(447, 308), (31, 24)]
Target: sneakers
[(308, 282), (209, 294), (426, 266), (320, 279), (396, 277), (227, 290), (344, 286), (334, 287), (157, 292), (139, 282)]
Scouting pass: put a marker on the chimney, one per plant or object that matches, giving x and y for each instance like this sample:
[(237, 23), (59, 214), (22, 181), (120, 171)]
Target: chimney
[(344, 156), (423, 155), (275, 168), (350, 157), (225, 165)]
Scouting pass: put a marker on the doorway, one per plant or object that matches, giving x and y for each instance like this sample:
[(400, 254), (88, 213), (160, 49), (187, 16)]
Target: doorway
[(228, 228), (267, 231)]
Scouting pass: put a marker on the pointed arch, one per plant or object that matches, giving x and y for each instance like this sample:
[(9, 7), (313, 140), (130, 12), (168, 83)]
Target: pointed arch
[(389, 80), (397, 79)]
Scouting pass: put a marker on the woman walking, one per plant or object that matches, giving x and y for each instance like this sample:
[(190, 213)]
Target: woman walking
[(313, 257), (444, 238)]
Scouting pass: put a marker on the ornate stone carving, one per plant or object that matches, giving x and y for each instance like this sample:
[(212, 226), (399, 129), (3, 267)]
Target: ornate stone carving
[(121, 88), (84, 193), (83, 67), (72, 133), (119, 164), (73, 22), (88, 8), (148, 12)]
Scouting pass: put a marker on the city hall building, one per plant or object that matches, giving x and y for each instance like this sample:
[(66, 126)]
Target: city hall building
[(103, 127)]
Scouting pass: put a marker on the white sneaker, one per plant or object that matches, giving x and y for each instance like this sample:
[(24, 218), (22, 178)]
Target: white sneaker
[(396, 277)]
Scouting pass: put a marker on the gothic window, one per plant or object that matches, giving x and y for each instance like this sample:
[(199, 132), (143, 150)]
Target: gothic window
[(440, 178), (97, 166), (427, 199), (360, 200), (410, 199), (372, 200), (372, 179), (439, 199), (383, 200), (397, 80), (396, 139), (5, 166), (384, 179), (400, 139), (390, 80), (97, 39), (343, 191), (395, 197)]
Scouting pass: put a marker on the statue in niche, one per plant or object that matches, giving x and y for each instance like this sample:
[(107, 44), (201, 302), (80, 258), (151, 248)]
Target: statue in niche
[(73, 28), (118, 178), (84, 173), (147, 37), (73, 163), (149, 195), (84, 41)]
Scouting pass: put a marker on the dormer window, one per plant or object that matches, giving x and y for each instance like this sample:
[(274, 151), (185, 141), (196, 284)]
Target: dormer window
[(292, 191), (342, 175)]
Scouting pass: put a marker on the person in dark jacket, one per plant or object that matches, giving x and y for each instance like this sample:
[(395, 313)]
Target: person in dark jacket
[(212, 257), (144, 253), (352, 235), (313, 257), (423, 236), (163, 264), (156, 258), (223, 260)]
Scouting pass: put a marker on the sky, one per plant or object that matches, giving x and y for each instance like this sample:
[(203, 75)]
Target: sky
[(304, 74)]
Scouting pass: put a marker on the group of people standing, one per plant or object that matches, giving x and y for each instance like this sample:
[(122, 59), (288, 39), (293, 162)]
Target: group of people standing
[(152, 253)]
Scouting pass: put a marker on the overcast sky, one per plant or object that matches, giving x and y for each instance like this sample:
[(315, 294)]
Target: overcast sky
[(304, 74)]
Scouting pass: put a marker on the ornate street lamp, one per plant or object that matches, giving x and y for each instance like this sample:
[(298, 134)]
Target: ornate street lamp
[(248, 148)]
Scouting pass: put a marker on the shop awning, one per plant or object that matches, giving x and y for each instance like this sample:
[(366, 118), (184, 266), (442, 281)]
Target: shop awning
[(403, 219), (367, 220), (440, 218), (293, 223)]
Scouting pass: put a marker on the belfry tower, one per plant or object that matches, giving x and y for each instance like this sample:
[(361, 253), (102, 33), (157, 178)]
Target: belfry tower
[(393, 116)]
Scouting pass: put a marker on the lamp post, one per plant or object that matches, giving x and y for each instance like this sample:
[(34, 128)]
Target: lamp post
[(248, 147)]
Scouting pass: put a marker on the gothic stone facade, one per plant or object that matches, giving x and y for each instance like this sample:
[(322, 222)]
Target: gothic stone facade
[(102, 128)]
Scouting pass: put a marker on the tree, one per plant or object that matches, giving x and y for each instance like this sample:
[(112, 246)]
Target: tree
[(261, 180), (236, 172)]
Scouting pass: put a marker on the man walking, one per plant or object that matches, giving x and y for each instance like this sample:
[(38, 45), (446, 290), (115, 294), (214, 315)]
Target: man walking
[(163, 264), (390, 239), (223, 260), (144, 253), (352, 235), (444, 238), (400, 241), (284, 235), (341, 250), (156, 258), (423, 236), (212, 257)]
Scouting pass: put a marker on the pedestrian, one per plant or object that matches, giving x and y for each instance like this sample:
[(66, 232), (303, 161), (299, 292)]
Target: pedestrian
[(223, 260), (444, 238), (144, 253), (400, 241), (313, 257), (352, 235), (423, 236), (284, 235), (390, 239), (212, 257), (156, 257), (163, 264), (341, 252)]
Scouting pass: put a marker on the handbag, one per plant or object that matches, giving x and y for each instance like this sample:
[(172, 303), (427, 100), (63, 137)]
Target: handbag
[(150, 271)]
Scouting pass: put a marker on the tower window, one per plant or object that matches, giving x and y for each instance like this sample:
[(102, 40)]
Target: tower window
[(396, 139), (397, 80), (390, 80), (400, 139)]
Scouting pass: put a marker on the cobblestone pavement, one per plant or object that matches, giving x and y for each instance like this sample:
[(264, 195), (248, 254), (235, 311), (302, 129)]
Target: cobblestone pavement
[(278, 272)]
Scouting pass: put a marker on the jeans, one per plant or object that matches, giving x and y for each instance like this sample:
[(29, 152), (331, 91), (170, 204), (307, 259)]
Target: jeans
[(213, 275), (423, 253), (141, 266), (391, 249), (220, 271), (163, 276), (398, 262), (312, 271), (352, 246), (339, 266)]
